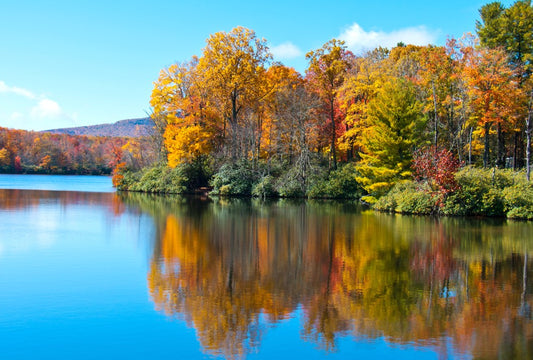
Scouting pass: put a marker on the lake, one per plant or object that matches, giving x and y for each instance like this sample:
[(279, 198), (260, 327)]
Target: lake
[(98, 274)]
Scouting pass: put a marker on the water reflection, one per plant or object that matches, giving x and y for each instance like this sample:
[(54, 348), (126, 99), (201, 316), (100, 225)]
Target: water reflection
[(16, 199), (232, 269)]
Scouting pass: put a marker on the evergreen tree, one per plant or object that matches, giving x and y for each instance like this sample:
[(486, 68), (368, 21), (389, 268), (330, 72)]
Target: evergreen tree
[(395, 127)]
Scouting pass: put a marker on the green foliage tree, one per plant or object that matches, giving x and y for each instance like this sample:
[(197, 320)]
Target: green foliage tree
[(510, 28), (395, 127)]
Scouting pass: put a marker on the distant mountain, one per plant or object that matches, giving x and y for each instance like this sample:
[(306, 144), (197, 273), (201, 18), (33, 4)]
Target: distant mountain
[(129, 127)]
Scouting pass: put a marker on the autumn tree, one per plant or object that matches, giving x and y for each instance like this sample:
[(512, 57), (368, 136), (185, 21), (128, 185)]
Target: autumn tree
[(529, 120), (437, 167), (207, 104), (493, 92), (405, 62), (295, 112), (233, 66), (326, 73), (394, 130), (279, 125), (363, 81), (441, 84), (5, 159), (458, 99), (177, 97), (512, 29)]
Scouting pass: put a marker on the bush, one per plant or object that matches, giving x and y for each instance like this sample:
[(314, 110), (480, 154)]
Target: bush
[(234, 179), (409, 197), (197, 173), (468, 200), (265, 187), (387, 203), (340, 183), (161, 179), (491, 192), (437, 167), (124, 179), (518, 201), (157, 179), (291, 184)]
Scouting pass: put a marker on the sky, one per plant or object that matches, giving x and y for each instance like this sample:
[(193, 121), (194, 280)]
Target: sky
[(74, 63)]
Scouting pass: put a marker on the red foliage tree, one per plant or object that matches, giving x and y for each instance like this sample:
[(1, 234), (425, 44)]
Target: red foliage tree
[(17, 164), (438, 168)]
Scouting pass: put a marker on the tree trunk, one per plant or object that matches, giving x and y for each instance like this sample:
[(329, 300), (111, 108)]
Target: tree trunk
[(349, 152), (486, 152), (528, 138), (500, 161), (470, 146), (259, 137), (436, 129), (333, 135), (515, 150), (233, 125)]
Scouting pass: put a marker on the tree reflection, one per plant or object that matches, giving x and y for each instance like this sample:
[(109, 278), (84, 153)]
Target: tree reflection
[(231, 269)]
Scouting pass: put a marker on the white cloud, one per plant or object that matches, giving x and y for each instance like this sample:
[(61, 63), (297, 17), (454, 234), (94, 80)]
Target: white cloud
[(30, 111), (4, 88), (358, 40), (286, 51), (16, 116), (46, 108)]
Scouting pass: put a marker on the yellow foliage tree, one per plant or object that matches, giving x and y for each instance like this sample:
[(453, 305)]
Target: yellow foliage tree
[(179, 98), (4, 157), (364, 80), (233, 69), (201, 101)]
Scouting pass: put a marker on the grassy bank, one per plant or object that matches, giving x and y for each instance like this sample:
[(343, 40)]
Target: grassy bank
[(243, 179), (479, 192)]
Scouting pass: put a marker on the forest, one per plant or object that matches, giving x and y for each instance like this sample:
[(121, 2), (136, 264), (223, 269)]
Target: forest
[(412, 129), (31, 152)]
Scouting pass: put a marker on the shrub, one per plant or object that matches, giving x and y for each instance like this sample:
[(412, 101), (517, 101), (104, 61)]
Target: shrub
[(492, 203), (161, 179), (518, 201), (197, 173), (490, 192), (387, 203), (469, 199), (417, 201), (291, 184), (265, 187), (234, 179), (340, 183), (437, 167), (125, 178), (157, 179), (409, 197)]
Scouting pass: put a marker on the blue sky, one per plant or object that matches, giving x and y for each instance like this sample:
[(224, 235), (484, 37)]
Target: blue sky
[(73, 63)]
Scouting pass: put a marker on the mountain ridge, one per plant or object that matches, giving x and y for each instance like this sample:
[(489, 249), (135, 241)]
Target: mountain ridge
[(122, 128)]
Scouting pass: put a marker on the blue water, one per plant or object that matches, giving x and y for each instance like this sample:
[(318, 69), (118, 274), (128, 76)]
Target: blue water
[(101, 275), (85, 183)]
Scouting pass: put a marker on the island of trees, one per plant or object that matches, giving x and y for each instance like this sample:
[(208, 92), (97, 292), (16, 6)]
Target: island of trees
[(414, 129)]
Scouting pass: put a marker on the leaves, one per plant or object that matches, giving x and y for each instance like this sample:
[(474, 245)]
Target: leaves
[(394, 128)]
